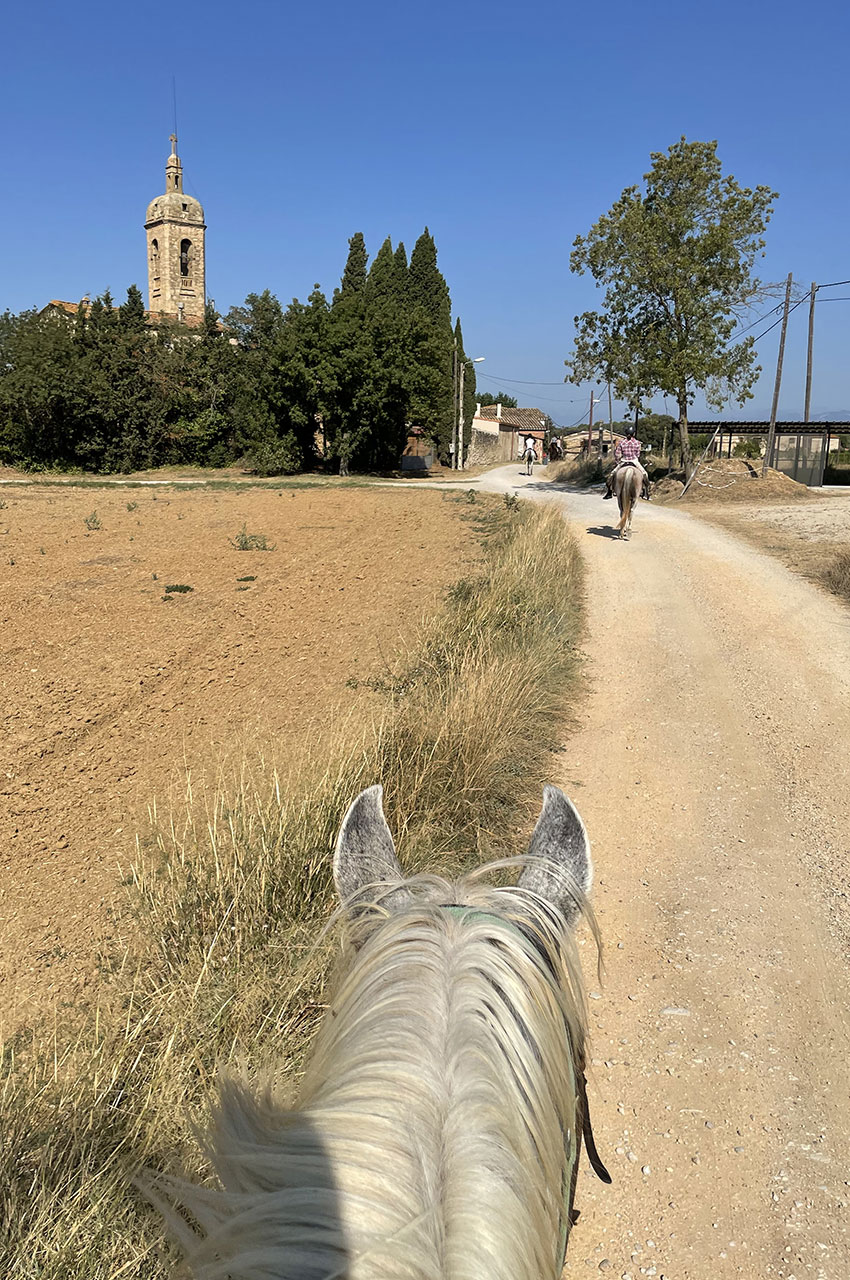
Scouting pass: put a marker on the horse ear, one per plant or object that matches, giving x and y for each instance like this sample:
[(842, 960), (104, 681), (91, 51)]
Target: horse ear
[(365, 853), (559, 840)]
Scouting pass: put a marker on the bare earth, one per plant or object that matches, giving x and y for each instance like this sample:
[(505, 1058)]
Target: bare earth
[(711, 769), (802, 535), (107, 689)]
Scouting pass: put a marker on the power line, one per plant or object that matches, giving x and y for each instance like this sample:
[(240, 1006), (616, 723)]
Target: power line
[(805, 298), (758, 321), (776, 310), (519, 381), (577, 424)]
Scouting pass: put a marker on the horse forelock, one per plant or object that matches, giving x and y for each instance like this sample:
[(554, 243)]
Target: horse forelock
[(438, 1109)]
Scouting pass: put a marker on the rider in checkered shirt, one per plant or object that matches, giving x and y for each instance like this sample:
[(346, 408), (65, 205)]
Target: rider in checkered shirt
[(627, 453)]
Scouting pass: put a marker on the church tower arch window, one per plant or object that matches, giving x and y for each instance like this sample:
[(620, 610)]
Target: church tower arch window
[(185, 256)]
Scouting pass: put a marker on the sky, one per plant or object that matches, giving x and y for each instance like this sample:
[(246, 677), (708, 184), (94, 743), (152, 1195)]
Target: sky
[(506, 128)]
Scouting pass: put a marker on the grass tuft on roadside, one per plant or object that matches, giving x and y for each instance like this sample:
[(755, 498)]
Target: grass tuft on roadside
[(835, 575), (582, 472), (227, 956)]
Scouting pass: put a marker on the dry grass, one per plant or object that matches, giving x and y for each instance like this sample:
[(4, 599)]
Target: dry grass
[(835, 576), (581, 472), (230, 891)]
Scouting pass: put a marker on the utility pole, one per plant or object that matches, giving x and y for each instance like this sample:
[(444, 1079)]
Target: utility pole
[(610, 419), (806, 417), (771, 435), (455, 406), (462, 362), (590, 426), (459, 446)]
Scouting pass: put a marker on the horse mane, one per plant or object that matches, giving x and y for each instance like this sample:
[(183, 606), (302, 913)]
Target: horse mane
[(436, 1116)]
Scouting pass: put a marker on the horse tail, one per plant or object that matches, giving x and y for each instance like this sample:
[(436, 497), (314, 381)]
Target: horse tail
[(627, 497), (626, 501)]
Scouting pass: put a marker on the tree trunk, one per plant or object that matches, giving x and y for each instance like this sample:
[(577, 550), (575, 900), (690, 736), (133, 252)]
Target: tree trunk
[(687, 459)]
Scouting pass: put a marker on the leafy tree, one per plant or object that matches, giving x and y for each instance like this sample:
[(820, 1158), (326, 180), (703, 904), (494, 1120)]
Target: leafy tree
[(301, 376), (749, 447), (676, 263), (502, 397), (257, 327), (107, 390), (39, 387)]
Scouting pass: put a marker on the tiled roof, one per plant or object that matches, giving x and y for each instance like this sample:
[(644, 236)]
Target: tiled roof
[(529, 419), (70, 308)]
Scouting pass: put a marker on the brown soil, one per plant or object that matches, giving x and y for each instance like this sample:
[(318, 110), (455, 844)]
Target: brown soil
[(805, 537), (111, 685), (733, 480)]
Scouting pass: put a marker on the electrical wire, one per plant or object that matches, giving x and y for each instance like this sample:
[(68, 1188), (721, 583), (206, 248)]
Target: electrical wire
[(577, 424), (775, 310), (756, 322), (519, 381), (779, 321)]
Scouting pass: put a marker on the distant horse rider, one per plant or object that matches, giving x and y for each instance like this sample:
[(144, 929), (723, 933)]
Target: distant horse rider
[(529, 456), (627, 454)]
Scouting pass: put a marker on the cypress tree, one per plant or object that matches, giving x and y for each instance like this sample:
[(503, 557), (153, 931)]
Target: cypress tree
[(429, 307), (401, 274), (131, 314), (209, 324), (381, 282), (354, 276), (426, 286), (469, 392)]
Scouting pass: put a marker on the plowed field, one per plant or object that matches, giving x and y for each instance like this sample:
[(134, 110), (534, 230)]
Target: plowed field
[(111, 685)]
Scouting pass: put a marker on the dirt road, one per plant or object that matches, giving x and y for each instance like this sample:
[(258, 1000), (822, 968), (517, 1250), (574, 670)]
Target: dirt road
[(711, 768)]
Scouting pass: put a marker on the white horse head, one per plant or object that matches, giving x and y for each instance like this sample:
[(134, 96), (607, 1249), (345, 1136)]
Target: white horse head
[(439, 1123)]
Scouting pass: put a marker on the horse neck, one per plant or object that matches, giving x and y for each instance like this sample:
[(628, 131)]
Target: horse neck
[(442, 1091)]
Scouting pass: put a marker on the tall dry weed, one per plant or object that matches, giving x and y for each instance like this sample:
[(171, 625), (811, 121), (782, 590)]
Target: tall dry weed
[(836, 574), (230, 892)]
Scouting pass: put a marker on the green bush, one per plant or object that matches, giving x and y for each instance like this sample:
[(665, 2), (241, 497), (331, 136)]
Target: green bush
[(245, 541), (281, 457), (749, 447)]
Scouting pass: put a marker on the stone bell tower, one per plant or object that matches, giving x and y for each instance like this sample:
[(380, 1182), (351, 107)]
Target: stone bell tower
[(175, 229)]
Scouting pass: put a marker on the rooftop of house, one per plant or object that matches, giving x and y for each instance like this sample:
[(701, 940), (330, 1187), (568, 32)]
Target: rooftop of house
[(526, 419), (70, 308), (153, 317)]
